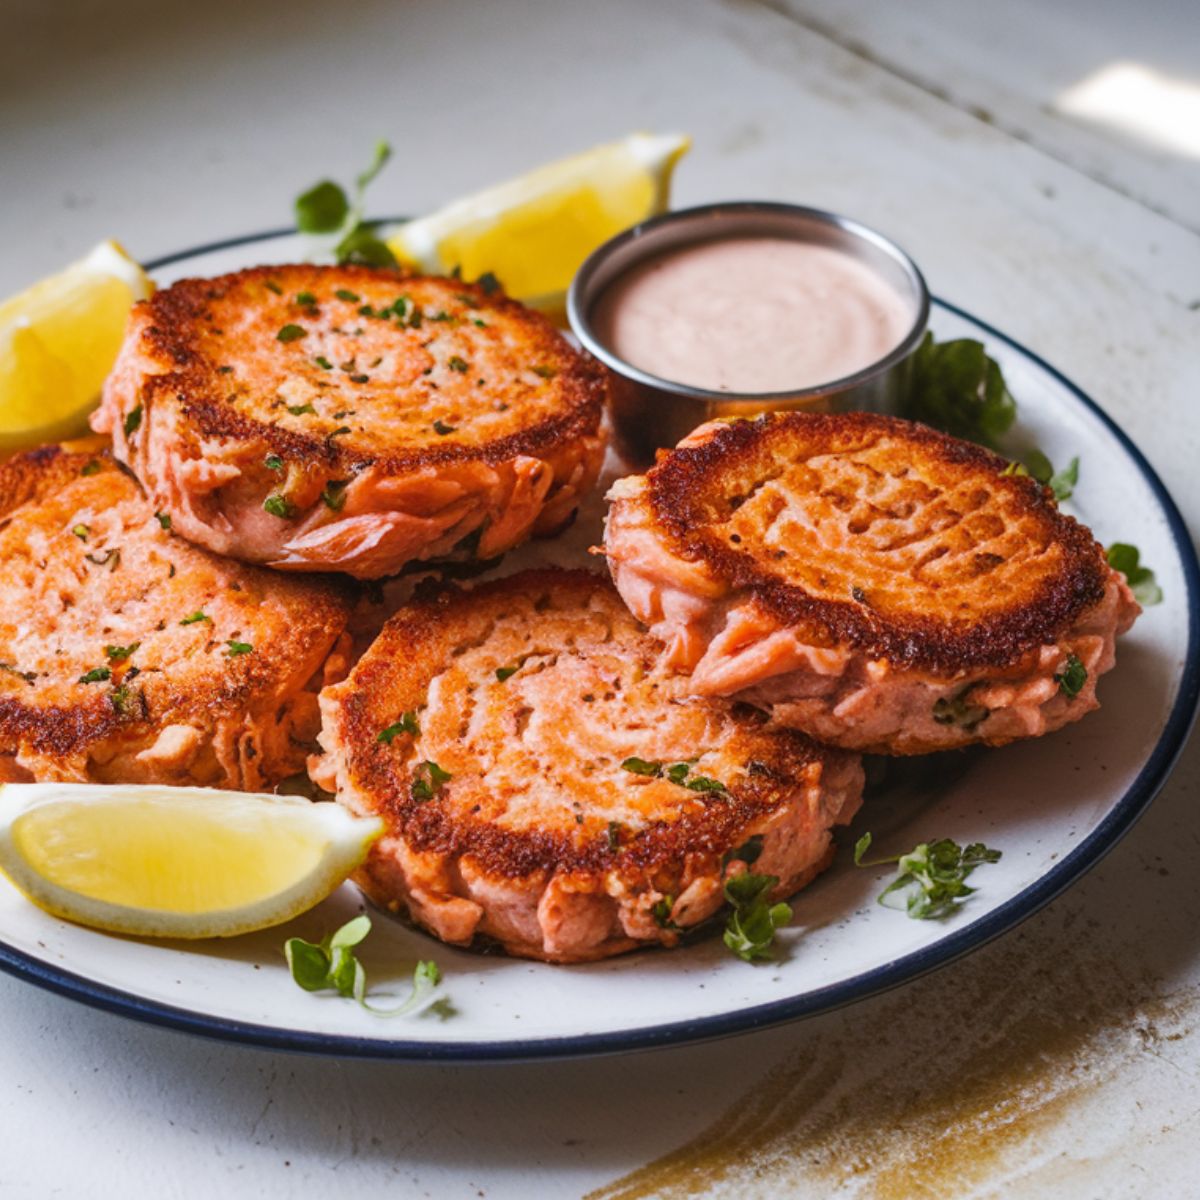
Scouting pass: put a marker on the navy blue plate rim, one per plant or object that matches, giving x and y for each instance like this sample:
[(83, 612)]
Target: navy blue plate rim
[(1007, 916)]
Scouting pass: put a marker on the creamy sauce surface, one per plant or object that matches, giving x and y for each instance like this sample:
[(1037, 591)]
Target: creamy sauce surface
[(752, 314)]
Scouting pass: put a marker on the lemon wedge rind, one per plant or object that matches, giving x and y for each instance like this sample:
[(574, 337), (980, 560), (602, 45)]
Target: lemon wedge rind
[(162, 862)]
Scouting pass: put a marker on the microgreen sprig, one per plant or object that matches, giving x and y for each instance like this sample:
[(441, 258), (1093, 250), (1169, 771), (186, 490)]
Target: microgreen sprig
[(753, 919), (326, 209), (1126, 559), (331, 964), (931, 878)]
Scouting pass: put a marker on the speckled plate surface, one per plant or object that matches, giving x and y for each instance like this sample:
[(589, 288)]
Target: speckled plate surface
[(1053, 806)]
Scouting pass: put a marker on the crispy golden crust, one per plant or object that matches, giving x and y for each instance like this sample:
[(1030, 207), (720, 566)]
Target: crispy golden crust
[(521, 389), (588, 686), (88, 568), (881, 536)]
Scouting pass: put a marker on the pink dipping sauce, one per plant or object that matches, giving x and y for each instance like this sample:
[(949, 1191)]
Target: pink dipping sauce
[(752, 314)]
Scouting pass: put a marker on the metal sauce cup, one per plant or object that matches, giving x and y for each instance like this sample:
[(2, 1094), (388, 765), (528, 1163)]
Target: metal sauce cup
[(650, 413)]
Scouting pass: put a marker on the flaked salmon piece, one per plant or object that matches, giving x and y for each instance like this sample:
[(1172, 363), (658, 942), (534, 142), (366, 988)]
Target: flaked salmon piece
[(128, 655), (489, 728), (354, 420), (872, 582)]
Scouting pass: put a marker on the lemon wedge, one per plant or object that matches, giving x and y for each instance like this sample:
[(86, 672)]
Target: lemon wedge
[(156, 861), (533, 232), (58, 340)]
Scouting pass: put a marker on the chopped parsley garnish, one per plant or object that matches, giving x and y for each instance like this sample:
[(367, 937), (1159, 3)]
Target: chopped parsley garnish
[(272, 286), (81, 532), (8, 668), (428, 780), (440, 427), (406, 724), (225, 370), (323, 362), (331, 964), (132, 420), (305, 299), (1072, 677), (96, 675), (545, 372), (347, 295), (660, 910), (195, 618), (701, 783), (753, 919), (164, 519), (278, 506), (360, 379), (273, 462), (120, 653), (1125, 558), (414, 318), (748, 852), (930, 879), (488, 282), (954, 710), (237, 649), (89, 468), (333, 495), (120, 698), (478, 323), (299, 410), (639, 766), (457, 363), (340, 431), (503, 673), (291, 333)]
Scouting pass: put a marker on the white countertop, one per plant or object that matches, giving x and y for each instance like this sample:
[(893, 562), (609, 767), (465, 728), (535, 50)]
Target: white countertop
[(1061, 1056)]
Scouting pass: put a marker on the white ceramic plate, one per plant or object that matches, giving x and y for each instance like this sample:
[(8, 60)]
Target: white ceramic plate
[(1053, 806)]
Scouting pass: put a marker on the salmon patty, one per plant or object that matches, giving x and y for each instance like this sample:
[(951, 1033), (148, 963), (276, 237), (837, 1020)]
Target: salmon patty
[(127, 655), (867, 580), (547, 786), (352, 419)]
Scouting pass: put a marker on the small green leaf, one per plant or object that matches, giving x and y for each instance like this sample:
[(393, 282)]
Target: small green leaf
[(164, 519), (1126, 559), (347, 295), (930, 879), (299, 410), (503, 673), (1062, 483), (751, 925), (458, 363), (308, 964), (81, 532), (96, 675), (273, 462), (278, 506), (333, 495), (440, 427), (428, 780), (195, 618), (488, 282), (545, 372), (639, 766), (120, 653), (701, 783), (1072, 677), (237, 649), (322, 209), (305, 299), (360, 245), (291, 333), (132, 420), (748, 852), (407, 724)]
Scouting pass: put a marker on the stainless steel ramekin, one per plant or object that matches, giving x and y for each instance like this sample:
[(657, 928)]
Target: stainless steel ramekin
[(649, 412)]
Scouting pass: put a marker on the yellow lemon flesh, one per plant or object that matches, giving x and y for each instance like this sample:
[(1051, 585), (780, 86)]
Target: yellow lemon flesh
[(533, 232), (58, 341), (156, 861)]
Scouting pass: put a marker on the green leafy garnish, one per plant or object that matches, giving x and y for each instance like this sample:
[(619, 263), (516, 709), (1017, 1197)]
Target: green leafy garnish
[(322, 209), (96, 675), (323, 363), (164, 519), (545, 372), (81, 532), (1062, 483), (361, 245), (120, 698), (120, 653), (291, 333), (133, 419), (406, 724), (273, 462), (457, 363), (503, 673), (660, 910), (488, 282), (930, 879), (299, 410), (272, 286), (1072, 677), (750, 926), (958, 389), (347, 295), (639, 766), (89, 468), (333, 495), (237, 649), (196, 618), (1124, 558), (305, 299), (331, 964), (428, 780), (278, 506), (440, 427), (701, 783)]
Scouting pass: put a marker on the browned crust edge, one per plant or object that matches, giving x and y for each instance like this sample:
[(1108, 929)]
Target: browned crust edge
[(687, 477)]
